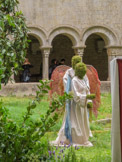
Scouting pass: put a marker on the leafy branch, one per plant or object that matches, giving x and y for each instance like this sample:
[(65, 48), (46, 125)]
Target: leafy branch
[(17, 142)]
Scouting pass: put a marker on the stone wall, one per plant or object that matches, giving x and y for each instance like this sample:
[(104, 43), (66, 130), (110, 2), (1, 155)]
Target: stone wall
[(79, 13), (26, 89)]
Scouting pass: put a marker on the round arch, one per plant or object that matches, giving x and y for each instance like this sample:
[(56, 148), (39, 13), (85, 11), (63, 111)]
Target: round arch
[(108, 35), (39, 34), (70, 32), (61, 49)]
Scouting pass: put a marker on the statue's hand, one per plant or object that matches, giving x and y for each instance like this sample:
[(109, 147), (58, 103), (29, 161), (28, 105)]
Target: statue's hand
[(91, 96), (89, 105)]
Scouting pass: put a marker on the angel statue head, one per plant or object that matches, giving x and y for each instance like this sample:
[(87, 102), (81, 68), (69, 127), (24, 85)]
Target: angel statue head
[(75, 60), (80, 70)]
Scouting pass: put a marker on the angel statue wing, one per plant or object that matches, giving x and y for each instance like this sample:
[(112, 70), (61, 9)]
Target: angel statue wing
[(56, 84), (94, 83)]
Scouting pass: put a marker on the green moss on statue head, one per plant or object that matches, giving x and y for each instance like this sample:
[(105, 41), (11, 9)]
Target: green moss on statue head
[(75, 60), (80, 70)]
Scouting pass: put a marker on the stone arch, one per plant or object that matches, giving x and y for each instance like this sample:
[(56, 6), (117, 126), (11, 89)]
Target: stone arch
[(108, 35), (39, 33), (70, 32), (62, 49), (95, 54)]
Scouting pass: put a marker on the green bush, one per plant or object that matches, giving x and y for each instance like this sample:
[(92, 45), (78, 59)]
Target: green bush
[(13, 39), (20, 142)]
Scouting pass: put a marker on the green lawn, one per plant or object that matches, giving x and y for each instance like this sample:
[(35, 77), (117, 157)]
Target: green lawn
[(17, 107), (101, 133)]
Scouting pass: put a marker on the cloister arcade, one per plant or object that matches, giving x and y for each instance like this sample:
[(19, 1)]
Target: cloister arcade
[(97, 45)]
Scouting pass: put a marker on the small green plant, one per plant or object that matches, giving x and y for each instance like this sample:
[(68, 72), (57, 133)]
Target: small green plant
[(90, 96), (89, 105), (66, 153)]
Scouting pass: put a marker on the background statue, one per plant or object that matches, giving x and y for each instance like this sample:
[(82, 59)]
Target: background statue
[(75, 128), (94, 82)]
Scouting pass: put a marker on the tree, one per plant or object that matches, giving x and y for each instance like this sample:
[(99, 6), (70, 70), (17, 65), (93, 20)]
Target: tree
[(13, 39)]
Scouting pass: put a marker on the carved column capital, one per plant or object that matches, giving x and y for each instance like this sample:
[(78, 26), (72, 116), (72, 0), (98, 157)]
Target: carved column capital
[(114, 51), (45, 55), (79, 51), (45, 51)]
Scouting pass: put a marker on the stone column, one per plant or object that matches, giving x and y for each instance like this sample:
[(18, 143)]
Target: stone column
[(113, 52), (45, 68), (79, 51)]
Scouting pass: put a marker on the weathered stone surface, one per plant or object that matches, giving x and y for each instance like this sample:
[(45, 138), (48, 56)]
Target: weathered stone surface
[(103, 121), (21, 89), (105, 87), (78, 13)]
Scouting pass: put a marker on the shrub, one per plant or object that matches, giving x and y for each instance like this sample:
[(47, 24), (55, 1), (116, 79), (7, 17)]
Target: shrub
[(13, 39), (20, 142)]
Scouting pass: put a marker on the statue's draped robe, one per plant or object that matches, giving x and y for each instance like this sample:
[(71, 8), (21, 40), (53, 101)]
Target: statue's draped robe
[(80, 130)]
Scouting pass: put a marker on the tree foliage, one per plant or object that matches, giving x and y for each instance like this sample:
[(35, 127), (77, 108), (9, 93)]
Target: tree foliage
[(13, 39)]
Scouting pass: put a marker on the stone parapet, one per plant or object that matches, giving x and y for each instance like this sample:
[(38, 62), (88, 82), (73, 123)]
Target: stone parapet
[(27, 89)]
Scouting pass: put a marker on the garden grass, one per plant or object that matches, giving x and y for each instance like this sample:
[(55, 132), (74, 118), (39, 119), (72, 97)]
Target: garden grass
[(100, 152), (105, 110), (17, 107)]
